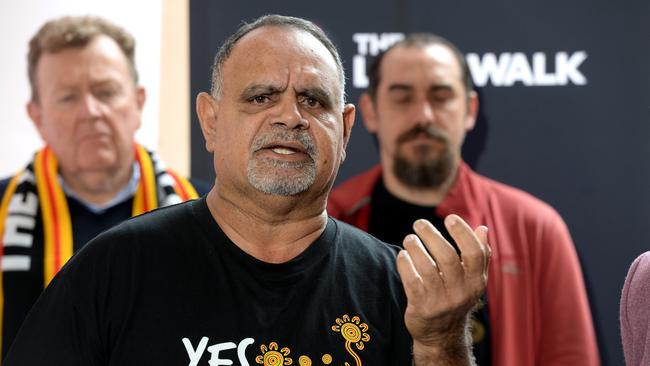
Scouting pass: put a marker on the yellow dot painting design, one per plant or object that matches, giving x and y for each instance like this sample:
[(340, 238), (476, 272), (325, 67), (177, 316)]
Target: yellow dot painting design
[(354, 332), (271, 356), (327, 359)]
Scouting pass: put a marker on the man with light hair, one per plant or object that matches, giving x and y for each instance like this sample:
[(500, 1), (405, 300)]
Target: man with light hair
[(86, 105)]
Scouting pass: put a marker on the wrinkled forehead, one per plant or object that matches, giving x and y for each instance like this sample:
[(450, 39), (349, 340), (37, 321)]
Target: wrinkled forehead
[(275, 52)]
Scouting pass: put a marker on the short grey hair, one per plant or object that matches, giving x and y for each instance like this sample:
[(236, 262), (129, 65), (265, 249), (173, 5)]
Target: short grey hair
[(272, 20)]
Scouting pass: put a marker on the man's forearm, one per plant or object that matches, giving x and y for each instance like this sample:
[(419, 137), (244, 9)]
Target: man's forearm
[(450, 356), (452, 350)]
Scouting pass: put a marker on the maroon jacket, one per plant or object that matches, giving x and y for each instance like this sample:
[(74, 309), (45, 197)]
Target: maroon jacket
[(539, 312)]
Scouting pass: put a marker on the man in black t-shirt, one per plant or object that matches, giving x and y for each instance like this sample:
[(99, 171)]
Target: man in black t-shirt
[(256, 272)]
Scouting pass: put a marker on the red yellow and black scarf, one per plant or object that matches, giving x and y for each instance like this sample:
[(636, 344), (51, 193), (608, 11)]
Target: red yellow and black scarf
[(37, 186)]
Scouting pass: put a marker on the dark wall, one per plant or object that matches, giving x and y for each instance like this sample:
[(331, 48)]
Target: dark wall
[(572, 131)]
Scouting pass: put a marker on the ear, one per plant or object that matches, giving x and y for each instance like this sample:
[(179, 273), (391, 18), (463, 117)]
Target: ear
[(141, 96), (349, 114), (472, 110), (36, 115), (368, 112), (206, 109)]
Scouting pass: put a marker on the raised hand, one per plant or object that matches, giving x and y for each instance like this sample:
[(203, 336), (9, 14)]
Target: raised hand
[(442, 289)]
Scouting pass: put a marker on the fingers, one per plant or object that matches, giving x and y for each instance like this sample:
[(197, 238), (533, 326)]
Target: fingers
[(440, 266), (411, 279), (444, 254), (473, 252), (422, 261), (440, 288), (481, 233)]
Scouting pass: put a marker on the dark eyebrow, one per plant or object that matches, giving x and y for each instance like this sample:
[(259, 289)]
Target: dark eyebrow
[(400, 87), (319, 94), (441, 88), (258, 89)]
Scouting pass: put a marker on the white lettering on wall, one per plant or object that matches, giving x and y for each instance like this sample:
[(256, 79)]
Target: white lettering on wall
[(369, 44), (567, 67), (509, 69), (505, 70)]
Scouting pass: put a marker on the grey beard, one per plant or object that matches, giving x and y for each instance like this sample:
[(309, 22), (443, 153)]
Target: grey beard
[(279, 184), (267, 175), (430, 173)]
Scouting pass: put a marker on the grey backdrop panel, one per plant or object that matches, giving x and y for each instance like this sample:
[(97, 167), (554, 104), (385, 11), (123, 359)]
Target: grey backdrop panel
[(579, 144)]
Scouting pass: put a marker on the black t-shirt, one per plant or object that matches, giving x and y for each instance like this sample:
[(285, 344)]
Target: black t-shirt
[(391, 219), (20, 289), (169, 288)]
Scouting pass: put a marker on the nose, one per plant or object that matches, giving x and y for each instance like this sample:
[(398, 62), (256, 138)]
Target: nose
[(89, 107), (424, 112), (290, 115)]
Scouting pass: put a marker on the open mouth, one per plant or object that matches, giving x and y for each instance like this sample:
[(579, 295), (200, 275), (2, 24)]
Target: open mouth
[(285, 147), (284, 150)]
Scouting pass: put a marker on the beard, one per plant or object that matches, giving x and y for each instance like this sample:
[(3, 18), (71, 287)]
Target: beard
[(431, 166), (278, 177)]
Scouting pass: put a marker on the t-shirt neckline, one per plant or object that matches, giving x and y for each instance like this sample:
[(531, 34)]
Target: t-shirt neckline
[(314, 253)]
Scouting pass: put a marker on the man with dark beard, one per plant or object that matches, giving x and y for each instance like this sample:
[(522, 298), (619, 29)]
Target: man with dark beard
[(420, 103)]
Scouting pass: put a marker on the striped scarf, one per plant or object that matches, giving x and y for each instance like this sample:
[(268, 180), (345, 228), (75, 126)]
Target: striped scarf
[(37, 186)]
